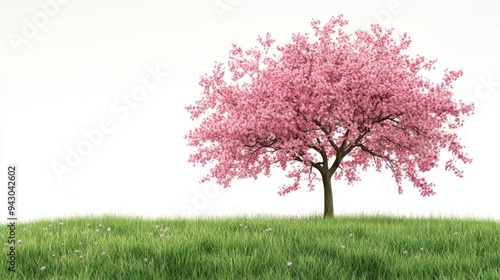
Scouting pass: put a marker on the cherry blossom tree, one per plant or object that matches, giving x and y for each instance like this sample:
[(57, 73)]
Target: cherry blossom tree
[(330, 103)]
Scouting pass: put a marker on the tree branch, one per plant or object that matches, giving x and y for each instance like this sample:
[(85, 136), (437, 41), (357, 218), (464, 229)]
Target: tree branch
[(346, 135), (327, 133)]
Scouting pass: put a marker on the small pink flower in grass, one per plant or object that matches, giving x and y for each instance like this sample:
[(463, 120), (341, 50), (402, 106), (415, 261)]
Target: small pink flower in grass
[(342, 246), (421, 249), (455, 233), (150, 234), (103, 253), (95, 243), (96, 230), (63, 244), (100, 225), (289, 264), (42, 268), (109, 229), (166, 229), (77, 251), (161, 235), (157, 226), (145, 259), (405, 252), (61, 224), (54, 255), (19, 241), (351, 235), (80, 257), (80, 243), (268, 229)]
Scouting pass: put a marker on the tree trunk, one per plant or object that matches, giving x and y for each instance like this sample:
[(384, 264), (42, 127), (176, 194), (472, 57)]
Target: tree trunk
[(327, 185)]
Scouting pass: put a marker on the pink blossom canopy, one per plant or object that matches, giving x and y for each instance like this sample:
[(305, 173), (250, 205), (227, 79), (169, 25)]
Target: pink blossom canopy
[(356, 100)]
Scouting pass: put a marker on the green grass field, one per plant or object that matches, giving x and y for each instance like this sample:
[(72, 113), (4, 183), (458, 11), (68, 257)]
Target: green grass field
[(255, 248)]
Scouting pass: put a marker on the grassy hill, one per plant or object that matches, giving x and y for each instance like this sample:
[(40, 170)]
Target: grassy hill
[(363, 247)]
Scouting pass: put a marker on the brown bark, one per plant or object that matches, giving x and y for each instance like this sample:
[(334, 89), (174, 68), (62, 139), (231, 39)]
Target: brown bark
[(327, 186)]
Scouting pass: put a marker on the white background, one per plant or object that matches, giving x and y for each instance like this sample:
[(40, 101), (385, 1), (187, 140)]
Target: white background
[(63, 74)]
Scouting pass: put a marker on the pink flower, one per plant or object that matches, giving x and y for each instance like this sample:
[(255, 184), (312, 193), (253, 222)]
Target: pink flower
[(289, 264)]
